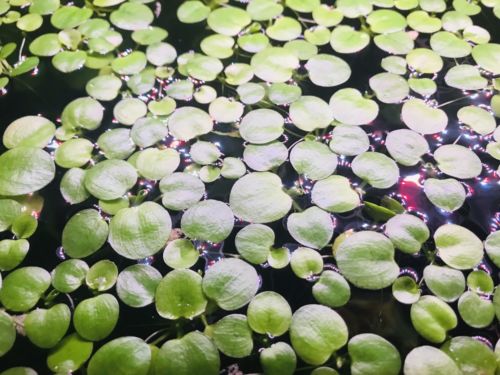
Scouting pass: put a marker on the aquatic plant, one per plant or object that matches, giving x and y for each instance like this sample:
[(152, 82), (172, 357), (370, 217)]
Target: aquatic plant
[(195, 180)]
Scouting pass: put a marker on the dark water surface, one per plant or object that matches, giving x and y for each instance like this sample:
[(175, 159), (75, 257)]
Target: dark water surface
[(47, 93)]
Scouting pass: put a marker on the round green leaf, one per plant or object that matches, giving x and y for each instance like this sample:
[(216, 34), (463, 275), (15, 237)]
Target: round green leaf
[(46, 327), (407, 232), (180, 253), (84, 234), (136, 285), (278, 359), (447, 194), (254, 242), (377, 169), (310, 112), (181, 190), (69, 275), (208, 220), (331, 289), (70, 354), (372, 354), (95, 318), (110, 179), (233, 336), (327, 71), (458, 161), (446, 283), (427, 360), (189, 122), (23, 287), (366, 259), (261, 126), (458, 247), (470, 355), (180, 295), (102, 275), (259, 198), (269, 313), (316, 332), (475, 311), (29, 131), (7, 333), (406, 146), (313, 227), (418, 116), (140, 231), (231, 283), (24, 170), (121, 356), (432, 318)]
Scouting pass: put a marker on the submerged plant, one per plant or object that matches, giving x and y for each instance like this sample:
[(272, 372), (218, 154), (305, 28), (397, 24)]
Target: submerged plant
[(240, 196)]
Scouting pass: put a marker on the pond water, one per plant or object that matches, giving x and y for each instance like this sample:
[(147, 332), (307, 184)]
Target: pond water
[(48, 91)]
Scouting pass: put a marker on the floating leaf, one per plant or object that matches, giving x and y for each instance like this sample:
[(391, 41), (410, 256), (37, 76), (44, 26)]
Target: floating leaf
[(102, 275), (372, 354), (85, 113), (458, 247), (313, 227), (259, 198), (180, 295), (465, 77), (313, 159), (124, 355), (406, 290), (447, 194), (486, 56), (475, 311), (181, 190), (24, 170), (180, 253), (492, 247), (427, 360), (377, 169), (140, 231), (331, 289), (192, 11), (231, 283), (136, 285), (383, 21), (458, 161), (69, 275), (389, 87), (316, 332), (261, 126), (432, 318), (132, 16), (12, 253), (306, 262), (479, 119), (233, 336), (29, 131), (192, 354), (309, 113), (45, 328), (189, 122), (23, 287), (406, 146), (470, 355), (407, 232), (335, 194), (254, 242), (228, 20), (208, 220), (345, 39), (7, 333), (424, 60), (349, 140), (278, 359), (446, 283), (269, 313), (350, 108), (84, 234), (265, 157), (327, 70), (95, 318), (366, 259), (423, 119)]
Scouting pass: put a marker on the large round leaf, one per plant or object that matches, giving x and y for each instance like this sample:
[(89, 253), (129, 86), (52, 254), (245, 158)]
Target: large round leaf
[(432, 318), (458, 161), (136, 285), (140, 231), (180, 295), (192, 354), (316, 332), (407, 232), (24, 170), (458, 247), (269, 313), (233, 336), (208, 220), (335, 194), (231, 283), (278, 359), (70, 354), (427, 360), (259, 198), (110, 179), (122, 356), (366, 259), (84, 234), (446, 283), (372, 355), (254, 242), (377, 169), (23, 287), (45, 328), (95, 318), (313, 227), (29, 131)]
